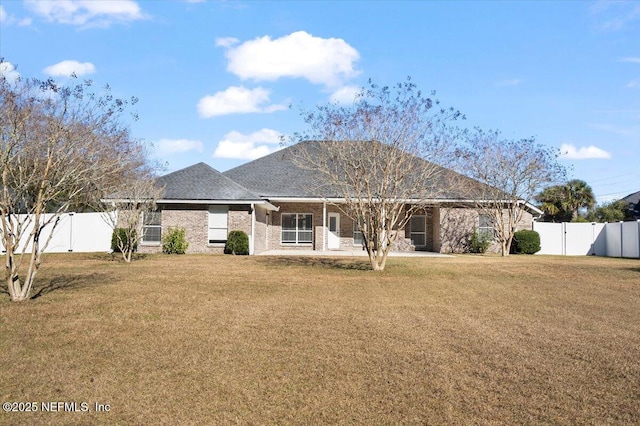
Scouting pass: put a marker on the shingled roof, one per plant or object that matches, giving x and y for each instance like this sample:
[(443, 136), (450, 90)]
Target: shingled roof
[(634, 204), (202, 182), (277, 176)]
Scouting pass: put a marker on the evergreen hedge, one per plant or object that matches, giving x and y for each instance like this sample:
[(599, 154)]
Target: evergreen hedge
[(237, 243), (525, 242)]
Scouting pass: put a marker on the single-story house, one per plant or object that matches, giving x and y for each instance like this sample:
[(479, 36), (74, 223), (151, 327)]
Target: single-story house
[(273, 201), (633, 200)]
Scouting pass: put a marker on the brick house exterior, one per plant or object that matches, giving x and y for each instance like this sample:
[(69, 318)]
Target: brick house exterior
[(269, 200)]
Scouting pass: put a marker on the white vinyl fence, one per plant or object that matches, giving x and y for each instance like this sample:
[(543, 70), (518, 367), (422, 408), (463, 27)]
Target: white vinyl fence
[(76, 232), (620, 239)]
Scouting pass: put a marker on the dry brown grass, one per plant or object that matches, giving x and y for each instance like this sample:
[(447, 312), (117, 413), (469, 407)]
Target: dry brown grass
[(225, 340)]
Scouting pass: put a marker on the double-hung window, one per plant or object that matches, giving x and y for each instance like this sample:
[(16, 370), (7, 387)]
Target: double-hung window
[(358, 239), (151, 227), (419, 231), (486, 230), (218, 219), (297, 228)]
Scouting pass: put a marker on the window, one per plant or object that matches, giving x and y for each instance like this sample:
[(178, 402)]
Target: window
[(419, 231), (485, 227), (151, 227), (358, 240), (218, 224), (297, 228)]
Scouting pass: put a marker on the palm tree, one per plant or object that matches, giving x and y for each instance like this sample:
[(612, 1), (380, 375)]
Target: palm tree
[(551, 201), (578, 195)]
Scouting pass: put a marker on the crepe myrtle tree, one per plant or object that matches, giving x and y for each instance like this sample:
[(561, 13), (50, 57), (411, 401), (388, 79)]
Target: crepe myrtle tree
[(125, 211), (507, 174), (380, 156), (60, 146)]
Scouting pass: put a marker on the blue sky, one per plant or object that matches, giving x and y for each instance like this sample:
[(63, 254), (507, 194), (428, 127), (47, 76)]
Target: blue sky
[(215, 79)]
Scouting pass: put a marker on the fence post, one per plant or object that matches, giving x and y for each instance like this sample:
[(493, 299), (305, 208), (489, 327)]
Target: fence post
[(638, 223), (70, 232), (621, 239)]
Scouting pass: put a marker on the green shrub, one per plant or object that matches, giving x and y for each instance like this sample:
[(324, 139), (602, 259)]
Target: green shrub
[(237, 243), (525, 242), (479, 243), (122, 234), (174, 241)]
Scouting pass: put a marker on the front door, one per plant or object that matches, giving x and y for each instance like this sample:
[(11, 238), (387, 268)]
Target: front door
[(333, 237)]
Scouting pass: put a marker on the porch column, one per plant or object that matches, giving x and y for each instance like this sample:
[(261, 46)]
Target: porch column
[(324, 226)]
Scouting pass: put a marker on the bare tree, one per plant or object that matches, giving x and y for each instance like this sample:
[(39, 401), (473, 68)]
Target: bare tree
[(509, 173), (372, 156), (60, 147), (125, 212)]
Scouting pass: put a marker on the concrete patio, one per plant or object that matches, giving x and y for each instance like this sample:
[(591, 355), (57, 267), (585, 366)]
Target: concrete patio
[(347, 253)]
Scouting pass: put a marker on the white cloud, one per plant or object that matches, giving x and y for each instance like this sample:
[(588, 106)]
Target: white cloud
[(66, 68), (633, 84), (327, 61), (6, 19), (632, 59), (248, 147), (509, 82), (175, 146), (226, 41), (615, 15), (92, 13), (583, 153), (9, 71), (236, 100), (345, 95)]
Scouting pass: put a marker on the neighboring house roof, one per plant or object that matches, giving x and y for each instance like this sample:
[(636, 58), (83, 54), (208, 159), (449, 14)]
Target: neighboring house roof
[(277, 176), (201, 182), (634, 203)]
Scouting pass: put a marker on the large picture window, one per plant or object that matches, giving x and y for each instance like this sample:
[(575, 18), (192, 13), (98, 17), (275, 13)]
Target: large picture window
[(419, 231), (297, 228), (218, 228), (151, 227)]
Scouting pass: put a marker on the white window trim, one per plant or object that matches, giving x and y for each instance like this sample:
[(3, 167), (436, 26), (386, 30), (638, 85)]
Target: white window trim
[(297, 230), (356, 230), (144, 227), (220, 242), (491, 230)]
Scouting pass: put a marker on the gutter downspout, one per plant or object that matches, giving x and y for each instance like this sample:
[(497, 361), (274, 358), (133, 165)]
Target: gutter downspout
[(253, 229)]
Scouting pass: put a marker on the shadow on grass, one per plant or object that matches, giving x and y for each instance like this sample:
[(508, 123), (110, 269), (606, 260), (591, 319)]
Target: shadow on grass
[(117, 257), (69, 282), (322, 262)]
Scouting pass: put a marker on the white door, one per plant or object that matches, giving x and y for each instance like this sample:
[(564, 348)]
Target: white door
[(333, 237)]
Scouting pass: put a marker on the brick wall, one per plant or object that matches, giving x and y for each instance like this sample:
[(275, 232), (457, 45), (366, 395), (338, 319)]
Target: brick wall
[(195, 220), (457, 225)]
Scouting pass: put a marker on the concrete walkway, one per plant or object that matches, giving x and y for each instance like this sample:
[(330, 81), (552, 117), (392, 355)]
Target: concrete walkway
[(348, 253)]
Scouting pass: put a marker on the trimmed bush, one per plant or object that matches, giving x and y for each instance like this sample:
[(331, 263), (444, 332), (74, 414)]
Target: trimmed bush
[(479, 243), (174, 241), (237, 243), (123, 235), (525, 242)]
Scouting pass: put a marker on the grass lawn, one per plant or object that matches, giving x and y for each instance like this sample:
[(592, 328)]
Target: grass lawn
[(261, 340)]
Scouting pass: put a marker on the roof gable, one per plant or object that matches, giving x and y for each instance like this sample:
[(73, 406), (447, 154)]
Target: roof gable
[(202, 182)]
